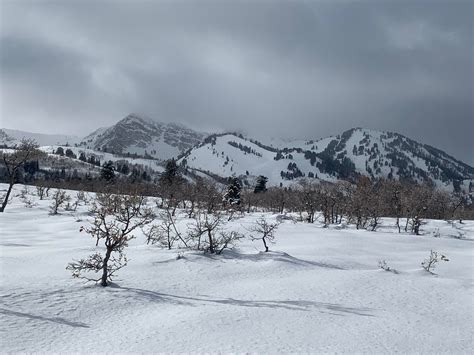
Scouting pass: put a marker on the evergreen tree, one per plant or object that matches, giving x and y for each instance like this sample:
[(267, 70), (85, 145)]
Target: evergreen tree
[(232, 194), (125, 169), (171, 173), (261, 184), (70, 154), (82, 157), (60, 151), (108, 171)]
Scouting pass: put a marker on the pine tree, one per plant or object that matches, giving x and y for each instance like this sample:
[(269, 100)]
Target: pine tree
[(82, 157), (232, 194), (108, 171), (261, 184), (171, 173)]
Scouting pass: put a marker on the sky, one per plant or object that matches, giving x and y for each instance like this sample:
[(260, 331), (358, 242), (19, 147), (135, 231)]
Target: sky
[(287, 69)]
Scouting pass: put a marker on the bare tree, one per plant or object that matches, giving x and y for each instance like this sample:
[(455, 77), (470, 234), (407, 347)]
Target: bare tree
[(310, 193), (430, 263), (59, 198), (26, 197), (26, 150), (265, 230), (206, 232), (116, 217), (40, 191), (165, 234)]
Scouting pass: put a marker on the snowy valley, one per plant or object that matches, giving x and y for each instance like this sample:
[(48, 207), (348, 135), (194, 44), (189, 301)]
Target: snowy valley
[(320, 288), (359, 243)]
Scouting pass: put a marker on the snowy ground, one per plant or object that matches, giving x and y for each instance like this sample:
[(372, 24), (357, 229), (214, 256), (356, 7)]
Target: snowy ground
[(318, 290)]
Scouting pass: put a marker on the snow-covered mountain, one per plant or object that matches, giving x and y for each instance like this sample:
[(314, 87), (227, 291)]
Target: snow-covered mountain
[(145, 137), (354, 152), (10, 137)]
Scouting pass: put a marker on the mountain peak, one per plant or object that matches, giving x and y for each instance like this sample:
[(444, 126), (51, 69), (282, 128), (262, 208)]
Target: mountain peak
[(138, 134)]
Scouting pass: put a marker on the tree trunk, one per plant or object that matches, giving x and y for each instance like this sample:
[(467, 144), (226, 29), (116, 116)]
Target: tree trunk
[(104, 267), (5, 201), (211, 244), (265, 244)]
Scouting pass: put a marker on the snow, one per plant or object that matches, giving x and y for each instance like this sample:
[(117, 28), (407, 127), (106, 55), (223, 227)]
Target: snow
[(318, 290), (154, 165), (213, 158), (42, 138)]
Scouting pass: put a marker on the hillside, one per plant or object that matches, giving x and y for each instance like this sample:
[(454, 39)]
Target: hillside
[(145, 137), (10, 137), (354, 152)]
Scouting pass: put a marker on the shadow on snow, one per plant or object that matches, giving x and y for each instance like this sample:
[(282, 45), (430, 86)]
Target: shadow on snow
[(58, 320), (297, 305)]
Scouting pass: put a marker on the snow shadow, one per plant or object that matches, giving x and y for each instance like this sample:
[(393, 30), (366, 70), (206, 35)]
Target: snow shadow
[(58, 320), (269, 256), (15, 245), (296, 305)]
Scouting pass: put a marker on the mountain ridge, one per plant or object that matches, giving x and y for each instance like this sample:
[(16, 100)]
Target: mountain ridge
[(355, 152)]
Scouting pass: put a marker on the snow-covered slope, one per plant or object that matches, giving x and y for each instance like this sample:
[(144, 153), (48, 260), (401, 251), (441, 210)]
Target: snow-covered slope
[(6, 140), (152, 164), (354, 152), (11, 137), (145, 137), (346, 156), (318, 290)]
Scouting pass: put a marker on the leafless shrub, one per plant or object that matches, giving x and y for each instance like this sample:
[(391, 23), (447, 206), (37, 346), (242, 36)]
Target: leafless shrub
[(40, 191), (26, 197), (226, 240), (116, 217), (429, 264), (60, 197), (265, 231), (436, 233), (206, 233), (164, 234), (384, 266), (26, 151)]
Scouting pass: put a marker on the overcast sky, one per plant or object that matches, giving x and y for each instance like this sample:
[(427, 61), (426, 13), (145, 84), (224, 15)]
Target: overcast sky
[(291, 69)]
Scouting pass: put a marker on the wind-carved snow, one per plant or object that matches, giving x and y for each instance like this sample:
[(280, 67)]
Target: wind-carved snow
[(318, 290)]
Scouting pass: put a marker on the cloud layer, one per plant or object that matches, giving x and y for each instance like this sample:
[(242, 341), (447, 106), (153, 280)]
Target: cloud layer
[(303, 69)]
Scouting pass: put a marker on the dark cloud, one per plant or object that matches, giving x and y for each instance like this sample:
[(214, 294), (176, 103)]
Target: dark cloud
[(302, 69)]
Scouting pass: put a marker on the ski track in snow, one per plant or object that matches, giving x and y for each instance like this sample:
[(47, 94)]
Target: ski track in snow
[(318, 290)]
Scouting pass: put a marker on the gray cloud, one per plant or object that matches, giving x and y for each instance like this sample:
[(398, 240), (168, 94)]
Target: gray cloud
[(303, 69)]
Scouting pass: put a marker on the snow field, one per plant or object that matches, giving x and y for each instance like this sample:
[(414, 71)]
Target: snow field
[(319, 290)]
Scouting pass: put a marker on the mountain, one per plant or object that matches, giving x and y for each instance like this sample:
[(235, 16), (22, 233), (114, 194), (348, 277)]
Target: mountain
[(144, 137), (11, 137), (355, 152)]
